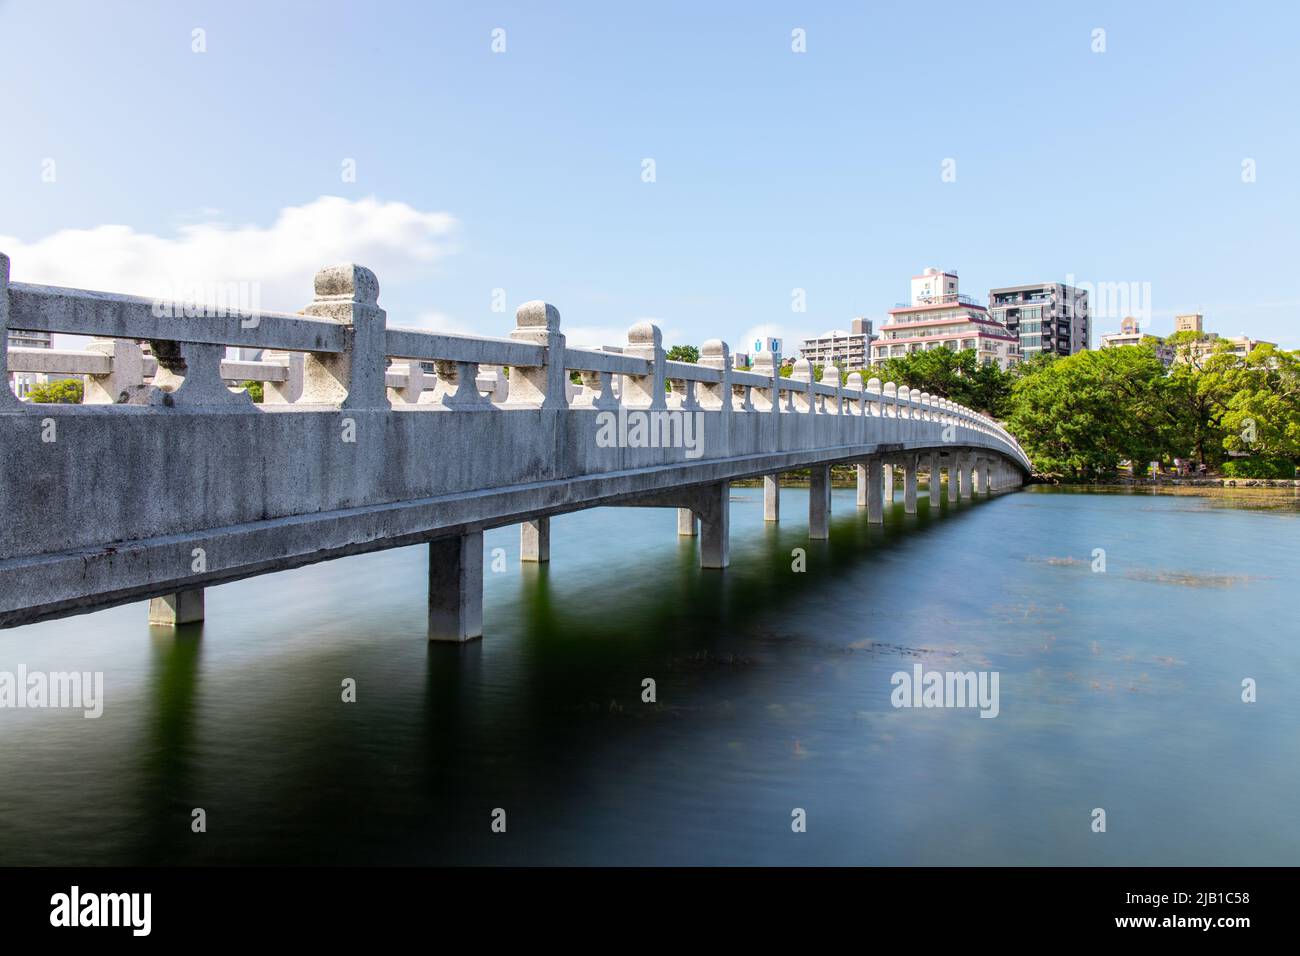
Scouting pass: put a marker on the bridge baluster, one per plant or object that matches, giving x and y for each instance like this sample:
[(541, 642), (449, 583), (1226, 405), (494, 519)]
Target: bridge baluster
[(855, 398), (597, 391), (493, 382), (832, 404), (682, 395), (405, 382), (457, 386), (124, 383), (716, 396), (290, 390), (802, 398), (742, 399), (545, 386), (189, 376), (354, 379), (873, 404), (768, 364), (645, 341), (889, 401)]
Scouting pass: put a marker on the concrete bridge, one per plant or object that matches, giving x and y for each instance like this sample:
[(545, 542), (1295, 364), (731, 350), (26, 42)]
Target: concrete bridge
[(167, 480)]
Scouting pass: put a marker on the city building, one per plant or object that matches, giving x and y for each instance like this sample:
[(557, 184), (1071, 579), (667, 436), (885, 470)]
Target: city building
[(24, 382), (1044, 316), (939, 316), (1130, 333), (849, 350), (1208, 342)]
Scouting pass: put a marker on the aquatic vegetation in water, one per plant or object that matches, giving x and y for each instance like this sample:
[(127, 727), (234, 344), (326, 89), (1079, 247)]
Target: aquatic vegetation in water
[(1191, 579)]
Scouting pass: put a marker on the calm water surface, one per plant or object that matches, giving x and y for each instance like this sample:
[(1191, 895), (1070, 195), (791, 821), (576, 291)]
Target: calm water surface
[(1119, 690)]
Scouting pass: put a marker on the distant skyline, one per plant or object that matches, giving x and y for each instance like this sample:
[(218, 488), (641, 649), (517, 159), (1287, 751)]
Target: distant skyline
[(997, 141)]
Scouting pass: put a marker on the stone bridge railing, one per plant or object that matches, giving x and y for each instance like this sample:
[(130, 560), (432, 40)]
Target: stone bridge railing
[(353, 448)]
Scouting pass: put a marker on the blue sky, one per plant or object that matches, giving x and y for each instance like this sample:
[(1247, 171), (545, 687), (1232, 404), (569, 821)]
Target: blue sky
[(774, 170)]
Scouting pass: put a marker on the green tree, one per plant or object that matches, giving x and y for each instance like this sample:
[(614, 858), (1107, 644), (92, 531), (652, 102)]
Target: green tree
[(66, 391), (1262, 416), (1203, 382), (957, 376), (683, 353), (254, 389), (1084, 414)]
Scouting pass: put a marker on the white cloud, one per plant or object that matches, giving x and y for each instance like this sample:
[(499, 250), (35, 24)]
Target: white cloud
[(391, 238)]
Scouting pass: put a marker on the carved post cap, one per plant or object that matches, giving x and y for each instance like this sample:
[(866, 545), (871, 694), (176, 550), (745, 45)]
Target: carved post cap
[(537, 316), (715, 354), (645, 335), (890, 389), (347, 282), (873, 385), (830, 375), (803, 371)]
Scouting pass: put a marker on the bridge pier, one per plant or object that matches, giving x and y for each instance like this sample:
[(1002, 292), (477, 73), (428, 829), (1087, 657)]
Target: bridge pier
[(981, 478), (909, 486), (875, 491), (456, 587), (686, 524), (963, 477), (171, 610), (535, 540), (988, 475), (771, 497), (954, 482), (714, 512), (888, 493), (864, 484), (819, 502), (934, 481)]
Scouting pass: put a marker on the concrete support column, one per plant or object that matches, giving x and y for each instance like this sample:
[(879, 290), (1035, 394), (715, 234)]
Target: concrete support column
[(981, 478), (988, 490), (535, 540), (771, 497), (183, 607), (953, 481), (714, 511), (934, 482), (909, 487), (864, 483), (686, 525), (963, 475), (456, 588), (888, 493), (875, 491), (819, 502)]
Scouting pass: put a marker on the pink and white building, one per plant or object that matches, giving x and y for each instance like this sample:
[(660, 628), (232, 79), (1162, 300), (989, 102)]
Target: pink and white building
[(941, 317)]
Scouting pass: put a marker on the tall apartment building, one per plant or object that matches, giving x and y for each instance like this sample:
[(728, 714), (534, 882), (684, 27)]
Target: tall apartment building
[(1044, 317), (849, 350), (23, 382), (939, 316)]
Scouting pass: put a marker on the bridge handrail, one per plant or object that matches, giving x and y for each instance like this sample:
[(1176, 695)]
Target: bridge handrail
[(340, 351)]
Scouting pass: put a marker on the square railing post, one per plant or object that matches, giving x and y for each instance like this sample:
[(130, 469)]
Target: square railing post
[(544, 386), (355, 378)]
